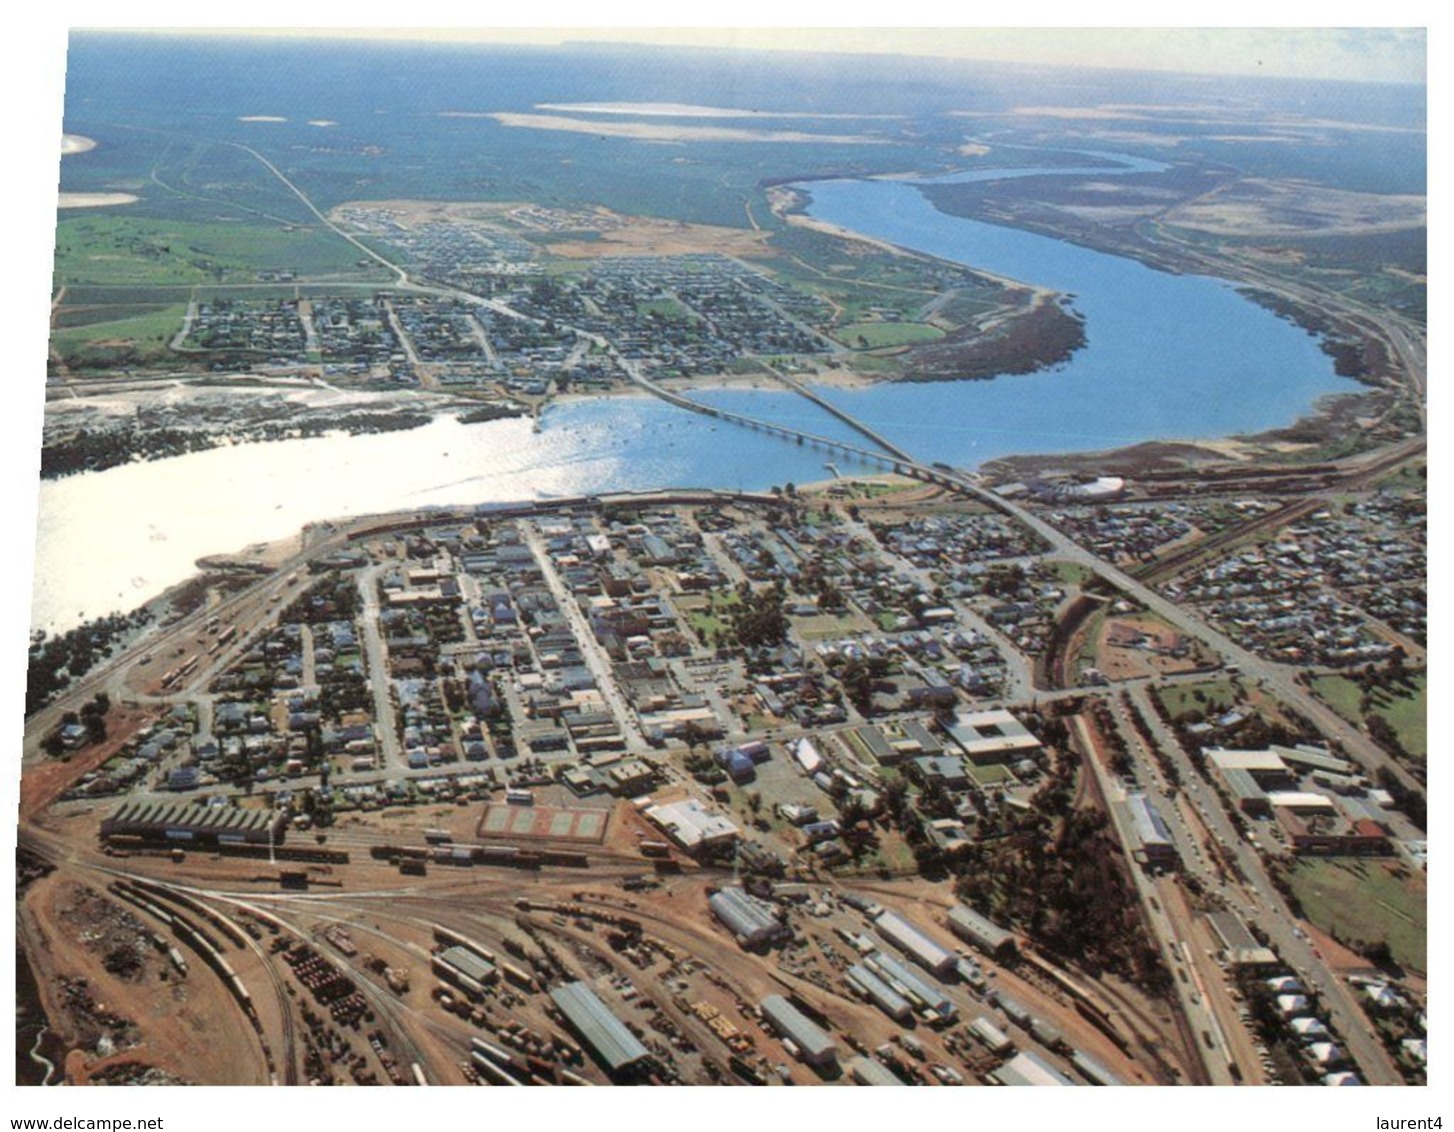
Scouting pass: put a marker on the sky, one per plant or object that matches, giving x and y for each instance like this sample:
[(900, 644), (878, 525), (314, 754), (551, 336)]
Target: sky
[(1359, 54)]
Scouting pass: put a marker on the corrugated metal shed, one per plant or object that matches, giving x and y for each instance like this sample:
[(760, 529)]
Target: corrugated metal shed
[(914, 943), (1092, 1070), (607, 1035), (880, 993), (984, 934), (147, 819), (744, 915), (908, 984), (816, 1046), (1029, 1069), (866, 1071), (466, 961)]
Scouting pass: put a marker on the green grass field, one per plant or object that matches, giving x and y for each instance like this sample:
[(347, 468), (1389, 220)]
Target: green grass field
[(829, 625), (669, 309), (112, 250), (709, 614), (1206, 697), (1069, 573), (877, 335), (992, 774), (76, 317), (1362, 899), (126, 341), (1407, 712)]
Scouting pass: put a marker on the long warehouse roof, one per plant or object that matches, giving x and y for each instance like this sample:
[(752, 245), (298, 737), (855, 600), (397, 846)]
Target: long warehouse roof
[(617, 1046)]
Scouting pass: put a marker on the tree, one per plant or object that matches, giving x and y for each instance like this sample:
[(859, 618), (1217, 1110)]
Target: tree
[(857, 681), (693, 735), (759, 620)]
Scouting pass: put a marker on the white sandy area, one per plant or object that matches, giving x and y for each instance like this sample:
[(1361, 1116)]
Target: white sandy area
[(95, 200), (690, 110), (261, 118), (643, 131), (75, 143)]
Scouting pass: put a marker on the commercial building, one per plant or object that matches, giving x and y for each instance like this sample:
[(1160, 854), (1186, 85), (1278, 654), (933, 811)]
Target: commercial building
[(1264, 768), (915, 944), (205, 825), (1027, 1068), (1248, 796), (614, 1046), (1154, 846), (813, 1045), (752, 921), (991, 736), (982, 934), (692, 825), (1240, 947)]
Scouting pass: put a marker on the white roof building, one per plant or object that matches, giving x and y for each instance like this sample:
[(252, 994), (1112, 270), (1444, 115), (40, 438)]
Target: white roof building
[(914, 943), (1301, 800), (1325, 1053), (1264, 762), (691, 825), (807, 755), (989, 736), (1027, 1068), (1309, 1029)]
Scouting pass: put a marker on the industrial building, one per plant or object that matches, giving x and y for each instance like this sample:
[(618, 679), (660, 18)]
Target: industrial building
[(614, 1046), (915, 944), (1092, 1070), (880, 993), (1016, 1011), (1027, 1068), (813, 1045), (995, 1039), (866, 1071), (692, 825), (464, 969), (981, 933), (1154, 846), (208, 825), (924, 997), (754, 922)]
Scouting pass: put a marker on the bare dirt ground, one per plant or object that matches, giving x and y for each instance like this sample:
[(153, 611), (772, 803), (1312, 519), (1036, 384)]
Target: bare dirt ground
[(95, 200), (645, 236), (149, 1015), (1255, 207), (1118, 659), (616, 234)]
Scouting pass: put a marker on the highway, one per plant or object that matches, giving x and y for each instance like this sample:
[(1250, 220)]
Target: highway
[(1260, 903)]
